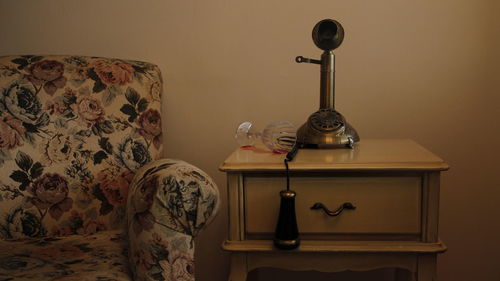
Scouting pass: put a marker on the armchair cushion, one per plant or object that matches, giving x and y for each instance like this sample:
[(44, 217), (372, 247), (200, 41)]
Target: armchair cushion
[(99, 256)]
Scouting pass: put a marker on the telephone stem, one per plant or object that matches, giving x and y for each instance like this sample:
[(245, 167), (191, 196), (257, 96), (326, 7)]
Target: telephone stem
[(327, 86)]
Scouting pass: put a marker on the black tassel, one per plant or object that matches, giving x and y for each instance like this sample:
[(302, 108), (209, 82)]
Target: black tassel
[(287, 231)]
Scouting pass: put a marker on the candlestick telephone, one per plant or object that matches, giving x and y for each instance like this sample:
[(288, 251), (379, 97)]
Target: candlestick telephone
[(325, 128)]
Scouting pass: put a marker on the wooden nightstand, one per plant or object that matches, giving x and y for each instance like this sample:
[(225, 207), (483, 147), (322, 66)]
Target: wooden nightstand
[(394, 185)]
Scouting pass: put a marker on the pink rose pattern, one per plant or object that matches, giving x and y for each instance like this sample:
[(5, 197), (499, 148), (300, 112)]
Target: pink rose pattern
[(114, 72), (11, 133), (179, 266), (114, 184), (150, 126), (50, 193), (49, 74), (88, 110), (166, 261)]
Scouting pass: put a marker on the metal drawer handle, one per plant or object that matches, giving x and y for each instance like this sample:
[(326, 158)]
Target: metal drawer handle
[(346, 205)]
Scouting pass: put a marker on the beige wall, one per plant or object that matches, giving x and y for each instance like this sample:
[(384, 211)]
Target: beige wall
[(426, 70)]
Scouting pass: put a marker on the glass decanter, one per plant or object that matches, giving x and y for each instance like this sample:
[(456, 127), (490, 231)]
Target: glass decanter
[(279, 136)]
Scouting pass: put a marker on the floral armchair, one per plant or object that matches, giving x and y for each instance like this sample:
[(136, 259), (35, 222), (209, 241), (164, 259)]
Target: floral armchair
[(83, 193)]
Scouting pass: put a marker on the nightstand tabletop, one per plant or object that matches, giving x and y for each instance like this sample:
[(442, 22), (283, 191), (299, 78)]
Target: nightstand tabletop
[(368, 154)]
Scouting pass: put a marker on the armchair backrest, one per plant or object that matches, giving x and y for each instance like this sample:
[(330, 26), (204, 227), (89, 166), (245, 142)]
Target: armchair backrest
[(73, 132)]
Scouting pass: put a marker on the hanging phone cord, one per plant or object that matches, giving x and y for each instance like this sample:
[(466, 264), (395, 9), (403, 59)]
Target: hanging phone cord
[(287, 175), (289, 157)]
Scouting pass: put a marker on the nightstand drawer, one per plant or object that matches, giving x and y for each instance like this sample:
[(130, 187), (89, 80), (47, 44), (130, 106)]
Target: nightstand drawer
[(384, 205)]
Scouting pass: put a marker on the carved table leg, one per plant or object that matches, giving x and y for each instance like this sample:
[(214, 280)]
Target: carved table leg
[(426, 268), (238, 267)]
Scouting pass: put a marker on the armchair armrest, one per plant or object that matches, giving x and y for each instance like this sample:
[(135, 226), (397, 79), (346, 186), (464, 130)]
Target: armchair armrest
[(169, 202)]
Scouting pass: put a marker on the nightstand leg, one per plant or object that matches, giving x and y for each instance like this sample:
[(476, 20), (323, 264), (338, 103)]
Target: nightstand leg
[(426, 268), (403, 275), (238, 271)]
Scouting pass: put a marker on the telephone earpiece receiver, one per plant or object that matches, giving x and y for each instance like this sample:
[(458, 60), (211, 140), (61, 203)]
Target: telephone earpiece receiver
[(326, 128)]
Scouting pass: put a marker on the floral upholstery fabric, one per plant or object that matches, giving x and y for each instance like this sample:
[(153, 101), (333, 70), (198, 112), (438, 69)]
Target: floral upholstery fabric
[(73, 131), (80, 139), (169, 202), (101, 256)]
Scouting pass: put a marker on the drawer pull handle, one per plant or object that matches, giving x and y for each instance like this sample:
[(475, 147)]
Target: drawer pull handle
[(347, 205)]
